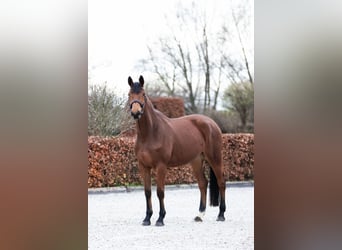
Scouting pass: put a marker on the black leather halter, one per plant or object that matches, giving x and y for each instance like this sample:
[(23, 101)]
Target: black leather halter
[(139, 102)]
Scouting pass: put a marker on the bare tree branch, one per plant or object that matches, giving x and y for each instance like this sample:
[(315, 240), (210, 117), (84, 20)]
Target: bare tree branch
[(242, 46)]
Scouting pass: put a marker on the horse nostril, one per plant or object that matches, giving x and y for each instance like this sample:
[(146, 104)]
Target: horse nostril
[(136, 115)]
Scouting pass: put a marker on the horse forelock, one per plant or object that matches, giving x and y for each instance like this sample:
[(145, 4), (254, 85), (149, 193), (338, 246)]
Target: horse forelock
[(136, 88)]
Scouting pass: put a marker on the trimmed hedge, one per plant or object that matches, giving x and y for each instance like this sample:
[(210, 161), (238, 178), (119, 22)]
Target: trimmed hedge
[(172, 107), (112, 161)]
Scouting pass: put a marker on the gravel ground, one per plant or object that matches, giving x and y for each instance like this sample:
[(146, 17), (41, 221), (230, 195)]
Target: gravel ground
[(114, 221)]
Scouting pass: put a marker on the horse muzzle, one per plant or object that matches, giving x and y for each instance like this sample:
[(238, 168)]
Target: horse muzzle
[(137, 109), (136, 115)]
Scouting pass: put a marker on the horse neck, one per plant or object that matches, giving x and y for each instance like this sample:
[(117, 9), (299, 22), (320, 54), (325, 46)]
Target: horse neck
[(148, 121)]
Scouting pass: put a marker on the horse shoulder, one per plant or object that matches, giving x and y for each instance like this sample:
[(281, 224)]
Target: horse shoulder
[(155, 149)]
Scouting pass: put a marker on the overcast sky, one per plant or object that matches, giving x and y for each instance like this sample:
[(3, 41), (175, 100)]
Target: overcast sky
[(118, 32)]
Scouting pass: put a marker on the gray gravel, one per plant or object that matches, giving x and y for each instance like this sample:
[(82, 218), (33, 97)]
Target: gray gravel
[(114, 221)]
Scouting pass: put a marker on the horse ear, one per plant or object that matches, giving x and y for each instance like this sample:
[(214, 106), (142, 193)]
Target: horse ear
[(130, 81), (141, 81)]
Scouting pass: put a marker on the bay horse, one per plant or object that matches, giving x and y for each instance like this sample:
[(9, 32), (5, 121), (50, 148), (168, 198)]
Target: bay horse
[(164, 142)]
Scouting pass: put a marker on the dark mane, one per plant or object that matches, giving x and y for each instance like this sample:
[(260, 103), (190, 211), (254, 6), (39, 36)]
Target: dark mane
[(136, 88)]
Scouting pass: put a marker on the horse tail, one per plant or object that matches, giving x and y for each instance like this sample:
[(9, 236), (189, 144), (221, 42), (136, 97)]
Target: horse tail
[(214, 189)]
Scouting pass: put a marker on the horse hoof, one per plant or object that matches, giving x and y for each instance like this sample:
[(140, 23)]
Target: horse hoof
[(146, 223), (198, 219), (220, 218), (159, 223)]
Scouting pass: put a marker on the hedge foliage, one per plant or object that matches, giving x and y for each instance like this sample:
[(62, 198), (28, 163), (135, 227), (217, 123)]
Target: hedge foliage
[(172, 107), (112, 161)]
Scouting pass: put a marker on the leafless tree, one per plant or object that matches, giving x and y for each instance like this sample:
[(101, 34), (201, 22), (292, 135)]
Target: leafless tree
[(237, 68), (194, 60), (236, 23)]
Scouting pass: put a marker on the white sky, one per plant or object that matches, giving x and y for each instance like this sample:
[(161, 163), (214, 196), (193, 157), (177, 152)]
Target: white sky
[(118, 32)]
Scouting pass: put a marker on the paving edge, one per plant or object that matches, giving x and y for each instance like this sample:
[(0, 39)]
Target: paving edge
[(127, 189)]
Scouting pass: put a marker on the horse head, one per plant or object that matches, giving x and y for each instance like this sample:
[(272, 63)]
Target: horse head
[(137, 97)]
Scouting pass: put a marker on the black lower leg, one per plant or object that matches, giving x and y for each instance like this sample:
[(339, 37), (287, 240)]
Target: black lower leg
[(149, 211), (201, 207), (162, 212), (220, 217)]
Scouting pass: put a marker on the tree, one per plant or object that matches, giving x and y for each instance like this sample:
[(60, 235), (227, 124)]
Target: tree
[(172, 62), (206, 66), (238, 67), (236, 23), (186, 58), (165, 76), (197, 56), (106, 112), (239, 98)]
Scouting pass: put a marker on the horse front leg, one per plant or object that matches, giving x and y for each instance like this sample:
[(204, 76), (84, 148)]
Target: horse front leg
[(146, 174), (161, 172)]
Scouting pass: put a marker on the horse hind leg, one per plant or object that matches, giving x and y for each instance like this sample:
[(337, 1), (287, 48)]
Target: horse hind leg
[(198, 169), (217, 183)]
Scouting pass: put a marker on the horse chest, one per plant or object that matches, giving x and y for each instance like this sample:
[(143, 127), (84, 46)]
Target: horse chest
[(148, 155)]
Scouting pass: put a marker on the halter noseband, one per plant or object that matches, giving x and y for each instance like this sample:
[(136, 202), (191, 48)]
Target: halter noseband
[(139, 102)]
